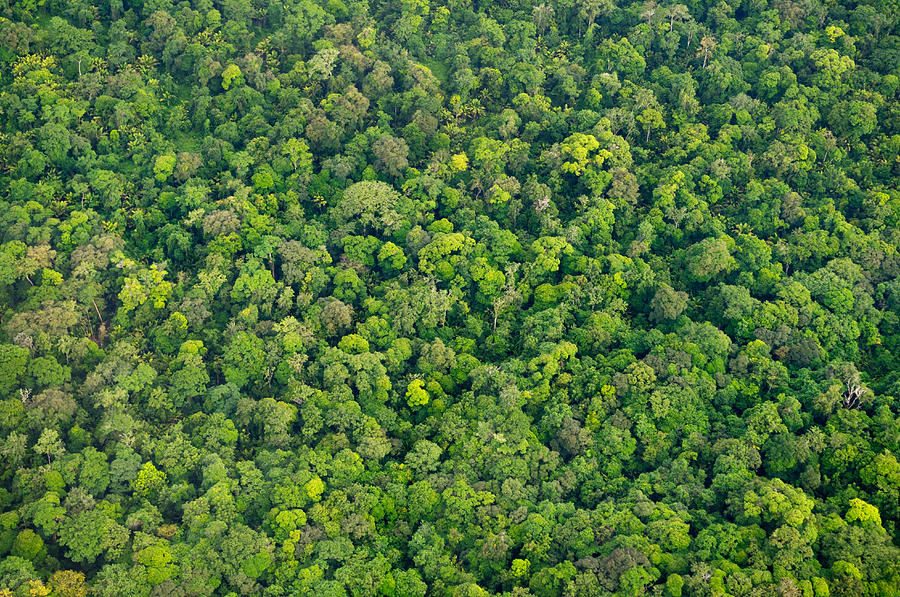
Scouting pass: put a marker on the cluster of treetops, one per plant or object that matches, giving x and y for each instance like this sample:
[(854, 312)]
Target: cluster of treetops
[(352, 298)]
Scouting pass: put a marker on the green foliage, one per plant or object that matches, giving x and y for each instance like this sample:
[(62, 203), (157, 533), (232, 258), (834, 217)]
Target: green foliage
[(314, 488), (28, 545), (145, 287), (368, 298), (244, 359), (391, 257), (164, 167), (415, 394), (89, 534), (158, 561), (149, 480), (354, 344), (577, 149), (13, 363), (232, 75), (371, 205)]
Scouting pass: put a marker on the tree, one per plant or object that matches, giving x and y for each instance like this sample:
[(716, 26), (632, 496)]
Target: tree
[(667, 303), (145, 287), (231, 76), (651, 118), (542, 16), (371, 206), (149, 480), (244, 359), (709, 258), (49, 445), (91, 533), (336, 316), (865, 514), (707, 45), (28, 545), (69, 583), (164, 167), (853, 119), (416, 394), (589, 10), (578, 149), (13, 363), (297, 151), (391, 257), (677, 12), (188, 372), (391, 155)]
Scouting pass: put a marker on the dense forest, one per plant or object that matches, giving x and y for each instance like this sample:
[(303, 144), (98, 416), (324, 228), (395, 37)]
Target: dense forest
[(457, 298)]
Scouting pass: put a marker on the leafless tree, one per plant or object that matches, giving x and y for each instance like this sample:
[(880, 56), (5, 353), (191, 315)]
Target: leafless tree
[(854, 392)]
